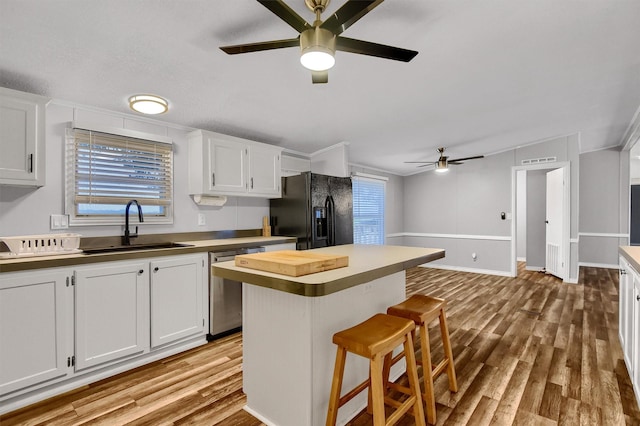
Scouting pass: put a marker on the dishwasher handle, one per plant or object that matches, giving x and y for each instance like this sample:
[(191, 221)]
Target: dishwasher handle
[(217, 259)]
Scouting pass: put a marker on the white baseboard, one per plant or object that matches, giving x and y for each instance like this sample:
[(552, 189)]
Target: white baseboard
[(534, 268), (599, 265), (471, 270), (521, 259)]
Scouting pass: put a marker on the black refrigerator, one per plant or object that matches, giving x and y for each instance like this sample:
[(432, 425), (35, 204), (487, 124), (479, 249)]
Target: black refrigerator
[(317, 209)]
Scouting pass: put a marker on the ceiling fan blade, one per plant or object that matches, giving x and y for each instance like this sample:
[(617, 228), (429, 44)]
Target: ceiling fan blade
[(263, 45), (466, 158), (287, 14), (348, 14), (320, 77), (374, 49)]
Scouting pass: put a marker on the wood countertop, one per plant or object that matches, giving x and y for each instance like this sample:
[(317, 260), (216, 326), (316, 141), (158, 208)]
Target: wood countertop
[(14, 264), (366, 263)]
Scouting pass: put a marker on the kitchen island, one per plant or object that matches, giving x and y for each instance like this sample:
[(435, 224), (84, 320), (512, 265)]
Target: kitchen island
[(288, 324)]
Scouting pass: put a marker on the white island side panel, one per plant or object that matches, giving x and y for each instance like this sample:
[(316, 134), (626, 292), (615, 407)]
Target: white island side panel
[(289, 354)]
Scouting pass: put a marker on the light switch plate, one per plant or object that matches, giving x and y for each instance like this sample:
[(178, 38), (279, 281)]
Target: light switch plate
[(59, 221)]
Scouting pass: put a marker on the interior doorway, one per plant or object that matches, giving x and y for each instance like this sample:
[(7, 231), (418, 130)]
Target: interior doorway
[(542, 251)]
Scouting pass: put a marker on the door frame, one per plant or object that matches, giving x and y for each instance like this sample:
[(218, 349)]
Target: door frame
[(566, 221)]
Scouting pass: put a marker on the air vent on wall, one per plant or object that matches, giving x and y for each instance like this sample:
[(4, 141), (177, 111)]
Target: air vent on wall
[(538, 160)]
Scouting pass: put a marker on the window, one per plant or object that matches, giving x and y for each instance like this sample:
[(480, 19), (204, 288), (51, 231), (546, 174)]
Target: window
[(368, 209), (105, 171)]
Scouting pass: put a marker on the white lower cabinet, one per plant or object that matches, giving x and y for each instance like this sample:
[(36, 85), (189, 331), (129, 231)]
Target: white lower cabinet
[(111, 312), (61, 328), (629, 321), (636, 338), (35, 329), (178, 288)]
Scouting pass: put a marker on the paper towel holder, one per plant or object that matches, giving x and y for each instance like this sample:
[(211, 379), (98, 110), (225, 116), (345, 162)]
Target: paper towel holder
[(209, 200)]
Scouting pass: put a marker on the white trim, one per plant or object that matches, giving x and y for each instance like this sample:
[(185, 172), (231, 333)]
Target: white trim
[(376, 169), (470, 270), (574, 240), (534, 268), (453, 236), (329, 148), (599, 265), (602, 234), (96, 127), (566, 255), (571, 280), (369, 176), (521, 259)]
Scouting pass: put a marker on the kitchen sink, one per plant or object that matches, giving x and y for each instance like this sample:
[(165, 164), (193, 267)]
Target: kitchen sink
[(152, 246)]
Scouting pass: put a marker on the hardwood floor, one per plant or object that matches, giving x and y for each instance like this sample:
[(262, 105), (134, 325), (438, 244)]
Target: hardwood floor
[(528, 351)]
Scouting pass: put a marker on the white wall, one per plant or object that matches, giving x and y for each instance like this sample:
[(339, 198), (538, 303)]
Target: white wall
[(460, 210), (25, 211), (603, 207)]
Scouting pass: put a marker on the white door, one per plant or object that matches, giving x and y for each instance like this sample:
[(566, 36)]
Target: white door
[(555, 263)]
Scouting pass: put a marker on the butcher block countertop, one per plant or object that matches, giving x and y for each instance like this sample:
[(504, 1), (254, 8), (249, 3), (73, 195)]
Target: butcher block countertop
[(198, 246), (632, 254), (366, 263)]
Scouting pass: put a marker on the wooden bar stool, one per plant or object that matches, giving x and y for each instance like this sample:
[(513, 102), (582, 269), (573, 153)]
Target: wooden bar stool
[(375, 339), (422, 310)]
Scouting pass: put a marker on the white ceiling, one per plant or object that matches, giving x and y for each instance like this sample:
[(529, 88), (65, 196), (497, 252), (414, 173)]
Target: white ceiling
[(490, 75)]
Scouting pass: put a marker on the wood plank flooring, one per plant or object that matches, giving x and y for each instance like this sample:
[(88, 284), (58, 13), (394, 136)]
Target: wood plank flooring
[(528, 351)]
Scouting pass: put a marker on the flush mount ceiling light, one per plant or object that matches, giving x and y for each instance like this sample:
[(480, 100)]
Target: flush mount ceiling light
[(148, 104)]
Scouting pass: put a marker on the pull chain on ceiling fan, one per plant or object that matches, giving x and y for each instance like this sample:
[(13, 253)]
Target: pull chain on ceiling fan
[(318, 42), (442, 165)]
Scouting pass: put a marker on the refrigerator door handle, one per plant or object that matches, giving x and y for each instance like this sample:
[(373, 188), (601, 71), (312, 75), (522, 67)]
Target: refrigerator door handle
[(331, 217)]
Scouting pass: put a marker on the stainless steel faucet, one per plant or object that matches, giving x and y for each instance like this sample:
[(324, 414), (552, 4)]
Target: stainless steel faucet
[(126, 240)]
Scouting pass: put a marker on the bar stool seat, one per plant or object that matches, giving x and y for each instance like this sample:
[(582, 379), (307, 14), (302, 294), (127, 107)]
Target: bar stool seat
[(422, 309), (375, 339)]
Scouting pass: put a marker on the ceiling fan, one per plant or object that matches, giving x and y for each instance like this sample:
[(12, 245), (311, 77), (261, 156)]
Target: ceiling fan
[(442, 165), (318, 42)]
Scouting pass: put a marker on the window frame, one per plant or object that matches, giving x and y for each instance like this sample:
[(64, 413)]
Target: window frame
[(76, 219), (363, 177)]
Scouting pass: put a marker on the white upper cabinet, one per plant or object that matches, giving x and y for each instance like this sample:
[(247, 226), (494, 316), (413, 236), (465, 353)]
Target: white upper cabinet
[(22, 128), (226, 165)]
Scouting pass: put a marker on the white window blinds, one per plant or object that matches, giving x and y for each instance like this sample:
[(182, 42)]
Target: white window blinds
[(109, 170), (368, 210)]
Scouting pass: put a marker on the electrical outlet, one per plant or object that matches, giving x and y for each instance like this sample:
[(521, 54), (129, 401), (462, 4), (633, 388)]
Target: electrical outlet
[(59, 221), (368, 287), (202, 220)]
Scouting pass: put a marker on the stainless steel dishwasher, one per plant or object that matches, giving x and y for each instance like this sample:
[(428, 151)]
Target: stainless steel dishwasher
[(225, 296)]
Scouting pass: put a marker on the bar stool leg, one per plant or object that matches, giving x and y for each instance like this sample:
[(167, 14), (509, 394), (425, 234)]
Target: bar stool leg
[(377, 390), (427, 374), (446, 345), (414, 383), (336, 386)]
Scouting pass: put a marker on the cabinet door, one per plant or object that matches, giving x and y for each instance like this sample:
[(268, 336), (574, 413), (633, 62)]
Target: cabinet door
[(625, 290), (227, 161), (635, 355), (264, 170), (21, 138), (34, 329), (178, 287), (112, 312)]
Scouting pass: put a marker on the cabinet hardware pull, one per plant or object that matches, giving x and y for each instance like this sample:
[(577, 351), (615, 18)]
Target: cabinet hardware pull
[(638, 298), (251, 183), (141, 271), (156, 269), (213, 179), (30, 163)]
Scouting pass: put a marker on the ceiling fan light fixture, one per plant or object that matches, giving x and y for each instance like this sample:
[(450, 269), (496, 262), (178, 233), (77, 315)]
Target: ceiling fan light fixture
[(442, 166), (148, 104), (317, 49)]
